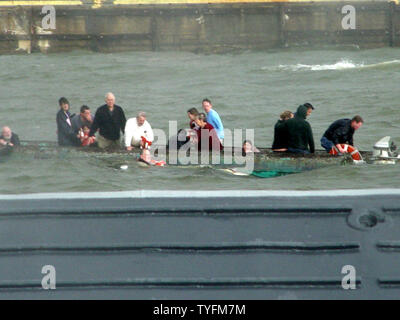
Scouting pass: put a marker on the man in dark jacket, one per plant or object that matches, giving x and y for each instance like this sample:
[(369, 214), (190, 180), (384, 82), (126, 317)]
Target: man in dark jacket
[(110, 120), (281, 138), (9, 138), (339, 132), (65, 133), (300, 136)]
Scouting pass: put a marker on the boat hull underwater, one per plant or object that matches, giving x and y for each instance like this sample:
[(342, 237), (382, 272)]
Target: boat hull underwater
[(263, 163)]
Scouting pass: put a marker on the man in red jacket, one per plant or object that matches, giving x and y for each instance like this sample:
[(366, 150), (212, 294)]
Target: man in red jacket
[(206, 131)]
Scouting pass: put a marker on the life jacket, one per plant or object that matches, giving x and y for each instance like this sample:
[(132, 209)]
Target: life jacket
[(146, 143), (355, 154)]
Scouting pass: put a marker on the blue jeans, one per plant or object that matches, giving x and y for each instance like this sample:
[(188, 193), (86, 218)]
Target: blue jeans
[(294, 150), (327, 144)]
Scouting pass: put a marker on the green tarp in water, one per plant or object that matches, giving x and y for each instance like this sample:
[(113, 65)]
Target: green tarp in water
[(269, 174)]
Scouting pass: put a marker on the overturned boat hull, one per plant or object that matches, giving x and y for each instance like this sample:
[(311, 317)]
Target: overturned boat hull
[(266, 160)]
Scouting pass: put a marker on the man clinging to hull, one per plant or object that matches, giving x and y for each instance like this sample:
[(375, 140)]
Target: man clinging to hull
[(9, 138), (110, 121), (341, 132), (135, 129)]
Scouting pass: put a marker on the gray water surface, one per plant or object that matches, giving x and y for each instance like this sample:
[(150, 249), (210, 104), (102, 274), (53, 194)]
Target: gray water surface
[(249, 90)]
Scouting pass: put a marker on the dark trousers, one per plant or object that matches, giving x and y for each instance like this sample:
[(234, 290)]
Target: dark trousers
[(327, 144), (294, 150)]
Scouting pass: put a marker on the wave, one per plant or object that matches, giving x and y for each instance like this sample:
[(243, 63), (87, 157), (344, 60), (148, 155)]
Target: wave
[(340, 65)]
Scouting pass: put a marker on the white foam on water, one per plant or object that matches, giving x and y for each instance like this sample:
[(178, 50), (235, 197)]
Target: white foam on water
[(340, 65), (343, 64)]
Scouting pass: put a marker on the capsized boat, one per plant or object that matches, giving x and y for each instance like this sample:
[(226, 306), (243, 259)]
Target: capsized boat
[(384, 152)]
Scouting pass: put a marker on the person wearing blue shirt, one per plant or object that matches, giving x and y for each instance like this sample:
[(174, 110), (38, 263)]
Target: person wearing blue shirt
[(213, 118)]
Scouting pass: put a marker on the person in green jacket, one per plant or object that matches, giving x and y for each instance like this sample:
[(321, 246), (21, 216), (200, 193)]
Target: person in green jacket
[(300, 136)]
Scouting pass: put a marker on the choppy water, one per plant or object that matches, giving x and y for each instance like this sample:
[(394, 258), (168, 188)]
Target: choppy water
[(249, 90)]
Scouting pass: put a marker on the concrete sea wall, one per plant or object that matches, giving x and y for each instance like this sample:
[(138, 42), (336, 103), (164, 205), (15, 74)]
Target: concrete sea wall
[(194, 25)]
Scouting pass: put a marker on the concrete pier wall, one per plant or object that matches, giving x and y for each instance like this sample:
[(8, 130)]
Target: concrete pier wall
[(197, 27)]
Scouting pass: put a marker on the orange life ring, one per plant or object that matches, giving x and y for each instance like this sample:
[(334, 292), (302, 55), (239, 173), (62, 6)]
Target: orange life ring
[(355, 154), (160, 163)]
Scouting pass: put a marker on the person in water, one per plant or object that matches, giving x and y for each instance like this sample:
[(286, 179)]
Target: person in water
[(9, 138), (83, 119), (110, 120), (213, 119), (341, 132), (281, 138), (65, 133), (136, 128), (192, 114), (300, 136), (206, 132), (145, 156), (86, 140), (248, 148)]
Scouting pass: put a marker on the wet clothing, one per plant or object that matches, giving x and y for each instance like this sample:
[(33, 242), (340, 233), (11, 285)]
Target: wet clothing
[(179, 140), (214, 120), (300, 136), (134, 132), (213, 141), (65, 133), (340, 131), (193, 125), (280, 136), (110, 124), (327, 144), (14, 139), (77, 123)]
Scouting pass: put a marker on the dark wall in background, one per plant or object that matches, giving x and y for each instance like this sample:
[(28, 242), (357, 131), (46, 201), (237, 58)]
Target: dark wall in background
[(199, 27)]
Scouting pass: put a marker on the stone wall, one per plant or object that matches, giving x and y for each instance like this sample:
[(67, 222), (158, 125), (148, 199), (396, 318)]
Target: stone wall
[(197, 27)]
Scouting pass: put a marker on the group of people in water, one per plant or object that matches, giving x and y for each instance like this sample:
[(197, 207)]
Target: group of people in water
[(292, 132)]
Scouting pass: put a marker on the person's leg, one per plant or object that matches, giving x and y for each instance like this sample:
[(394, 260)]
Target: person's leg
[(102, 142), (115, 144), (327, 144), (298, 151), (136, 143)]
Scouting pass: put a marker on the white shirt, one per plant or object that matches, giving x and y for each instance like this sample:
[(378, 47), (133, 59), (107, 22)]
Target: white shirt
[(135, 132)]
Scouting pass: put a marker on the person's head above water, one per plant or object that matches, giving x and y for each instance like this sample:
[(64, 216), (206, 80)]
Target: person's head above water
[(6, 132), (286, 115), (310, 108), (85, 113), (357, 122), (201, 120), (247, 146), (63, 103), (192, 113), (110, 99), (206, 103), (141, 118), (301, 112)]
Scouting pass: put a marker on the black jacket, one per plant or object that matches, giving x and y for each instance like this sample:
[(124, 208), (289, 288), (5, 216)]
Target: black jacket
[(109, 124), (280, 135), (65, 133), (340, 132), (14, 139), (299, 131)]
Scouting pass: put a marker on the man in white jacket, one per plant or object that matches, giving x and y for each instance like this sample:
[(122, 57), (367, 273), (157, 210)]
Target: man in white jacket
[(135, 128)]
